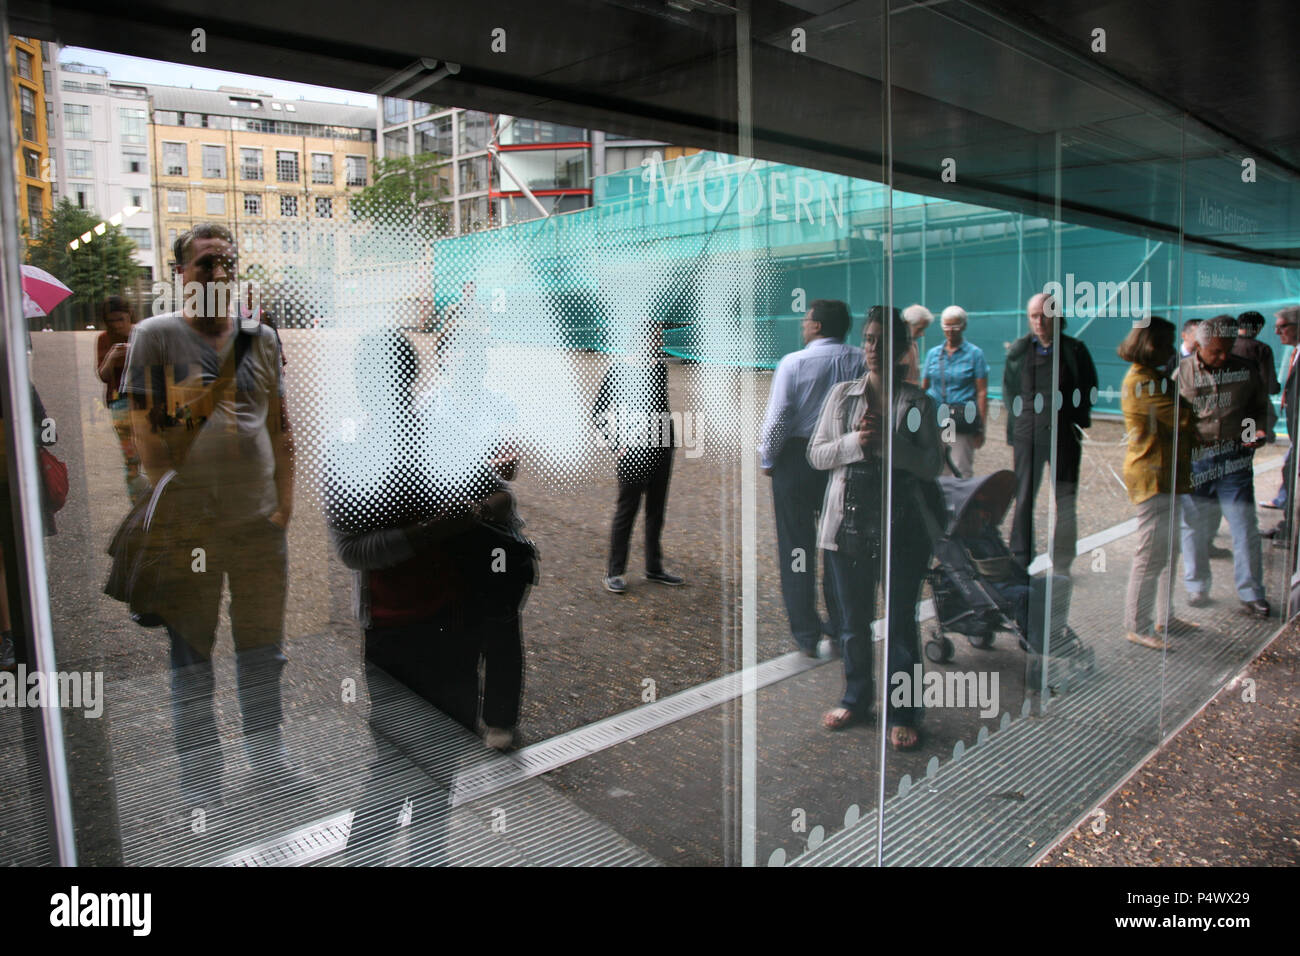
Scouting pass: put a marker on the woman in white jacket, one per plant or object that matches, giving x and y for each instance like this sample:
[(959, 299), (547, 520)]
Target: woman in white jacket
[(850, 442)]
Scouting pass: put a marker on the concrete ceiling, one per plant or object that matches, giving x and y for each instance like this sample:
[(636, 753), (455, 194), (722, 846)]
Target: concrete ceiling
[(1151, 133)]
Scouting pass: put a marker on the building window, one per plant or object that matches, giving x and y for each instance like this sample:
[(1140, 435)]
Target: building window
[(49, 82), (215, 204), (32, 164), (137, 199), (27, 106), (175, 162), (356, 166), (171, 239), (83, 195), (397, 142), (214, 162), (475, 131), (252, 204), (324, 207), (250, 164), (434, 136), (287, 240), (322, 169), (35, 211), (176, 201), (395, 111), (289, 206), (286, 166), (24, 64), (133, 161), (79, 163), (166, 118), (76, 121), (140, 237), (474, 174), (135, 124)]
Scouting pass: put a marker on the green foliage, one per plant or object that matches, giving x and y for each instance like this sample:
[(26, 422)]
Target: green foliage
[(93, 271), (404, 194)]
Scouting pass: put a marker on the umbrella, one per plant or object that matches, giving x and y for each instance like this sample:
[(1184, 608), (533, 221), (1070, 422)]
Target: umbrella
[(41, 291)]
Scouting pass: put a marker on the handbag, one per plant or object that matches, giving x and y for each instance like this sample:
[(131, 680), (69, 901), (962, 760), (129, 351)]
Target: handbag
[(54, 479), (150, 560)]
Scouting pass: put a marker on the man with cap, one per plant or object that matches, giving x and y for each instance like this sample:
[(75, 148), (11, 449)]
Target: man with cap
[(956, 375)]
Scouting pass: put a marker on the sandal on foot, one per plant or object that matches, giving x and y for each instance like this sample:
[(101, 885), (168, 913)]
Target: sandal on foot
[(837, 718), (897, 737)]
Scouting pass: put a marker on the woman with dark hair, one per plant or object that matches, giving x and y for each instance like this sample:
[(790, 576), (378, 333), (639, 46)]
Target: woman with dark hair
[(110, 362), (849, 441), (1157, 468)]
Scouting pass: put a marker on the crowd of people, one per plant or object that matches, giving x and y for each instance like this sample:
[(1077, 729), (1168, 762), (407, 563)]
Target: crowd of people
[(441, 566), (1194, 417)]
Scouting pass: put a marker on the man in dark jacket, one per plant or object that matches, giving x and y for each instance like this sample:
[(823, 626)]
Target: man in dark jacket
[(1036, 423)]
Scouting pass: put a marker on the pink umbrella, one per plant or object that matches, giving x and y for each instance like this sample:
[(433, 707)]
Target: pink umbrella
[(41, 291)]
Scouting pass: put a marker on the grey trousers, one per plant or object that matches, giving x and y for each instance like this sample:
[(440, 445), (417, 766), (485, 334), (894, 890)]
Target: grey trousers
[(963, 454), (1153, 562)]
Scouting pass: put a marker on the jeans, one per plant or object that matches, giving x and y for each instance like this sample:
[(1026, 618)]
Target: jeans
[(253, 558), (797, 491), (1222, 485), (855, 583)]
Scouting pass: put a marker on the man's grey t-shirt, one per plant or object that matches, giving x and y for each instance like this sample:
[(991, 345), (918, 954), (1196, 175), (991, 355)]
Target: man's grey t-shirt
[(229, 465)]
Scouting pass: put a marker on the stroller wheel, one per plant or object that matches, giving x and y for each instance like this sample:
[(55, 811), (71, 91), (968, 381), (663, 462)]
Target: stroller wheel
[(940, 650), (982, 641)]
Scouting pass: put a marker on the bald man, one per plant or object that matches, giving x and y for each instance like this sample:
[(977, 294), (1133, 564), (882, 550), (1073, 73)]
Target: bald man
[(1035, 426)]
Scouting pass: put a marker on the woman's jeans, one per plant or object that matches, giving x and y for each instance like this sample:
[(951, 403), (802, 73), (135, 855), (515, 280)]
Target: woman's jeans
[(855, 584)]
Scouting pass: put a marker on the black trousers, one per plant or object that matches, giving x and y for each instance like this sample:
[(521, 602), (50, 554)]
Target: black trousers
[(1032, 456), (640, 472)]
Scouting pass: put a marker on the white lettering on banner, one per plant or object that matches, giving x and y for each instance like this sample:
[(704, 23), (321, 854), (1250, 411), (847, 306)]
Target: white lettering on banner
[(755, 194)]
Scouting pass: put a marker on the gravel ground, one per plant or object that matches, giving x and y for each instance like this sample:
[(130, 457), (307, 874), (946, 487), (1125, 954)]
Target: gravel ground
[(1224, 792)]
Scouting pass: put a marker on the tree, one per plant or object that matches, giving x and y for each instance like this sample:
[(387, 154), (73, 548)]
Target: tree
[(405, 194), (93, 271)]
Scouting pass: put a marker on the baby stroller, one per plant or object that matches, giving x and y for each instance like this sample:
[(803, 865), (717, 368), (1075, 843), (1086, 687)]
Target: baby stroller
[(980, 589)]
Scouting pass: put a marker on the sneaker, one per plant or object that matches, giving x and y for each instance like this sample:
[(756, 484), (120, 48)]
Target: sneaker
[(663, 577), (1274, 504), (8, 660), (499, 738), (1214, 551), (617, 584), (827, 649)]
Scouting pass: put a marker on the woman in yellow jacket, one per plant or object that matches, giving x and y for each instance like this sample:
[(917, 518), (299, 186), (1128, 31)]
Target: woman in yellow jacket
[(1154, 478)]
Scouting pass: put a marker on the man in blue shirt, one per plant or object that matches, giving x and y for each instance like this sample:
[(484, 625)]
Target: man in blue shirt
[(800, 385), (956, 375)]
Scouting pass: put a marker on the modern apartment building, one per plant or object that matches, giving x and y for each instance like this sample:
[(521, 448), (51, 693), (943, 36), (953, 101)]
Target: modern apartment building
[(275, 171), (100, 151), (497, 169), (30, 81)]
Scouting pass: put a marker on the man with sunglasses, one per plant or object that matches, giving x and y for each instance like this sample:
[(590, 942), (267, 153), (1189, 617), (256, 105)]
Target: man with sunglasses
[(224, 507)]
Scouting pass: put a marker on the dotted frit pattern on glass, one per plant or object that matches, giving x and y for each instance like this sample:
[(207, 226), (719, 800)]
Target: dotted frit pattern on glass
[(421, 361)]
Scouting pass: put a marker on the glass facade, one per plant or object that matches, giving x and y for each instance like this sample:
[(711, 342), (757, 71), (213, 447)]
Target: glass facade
[(945, 422)]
